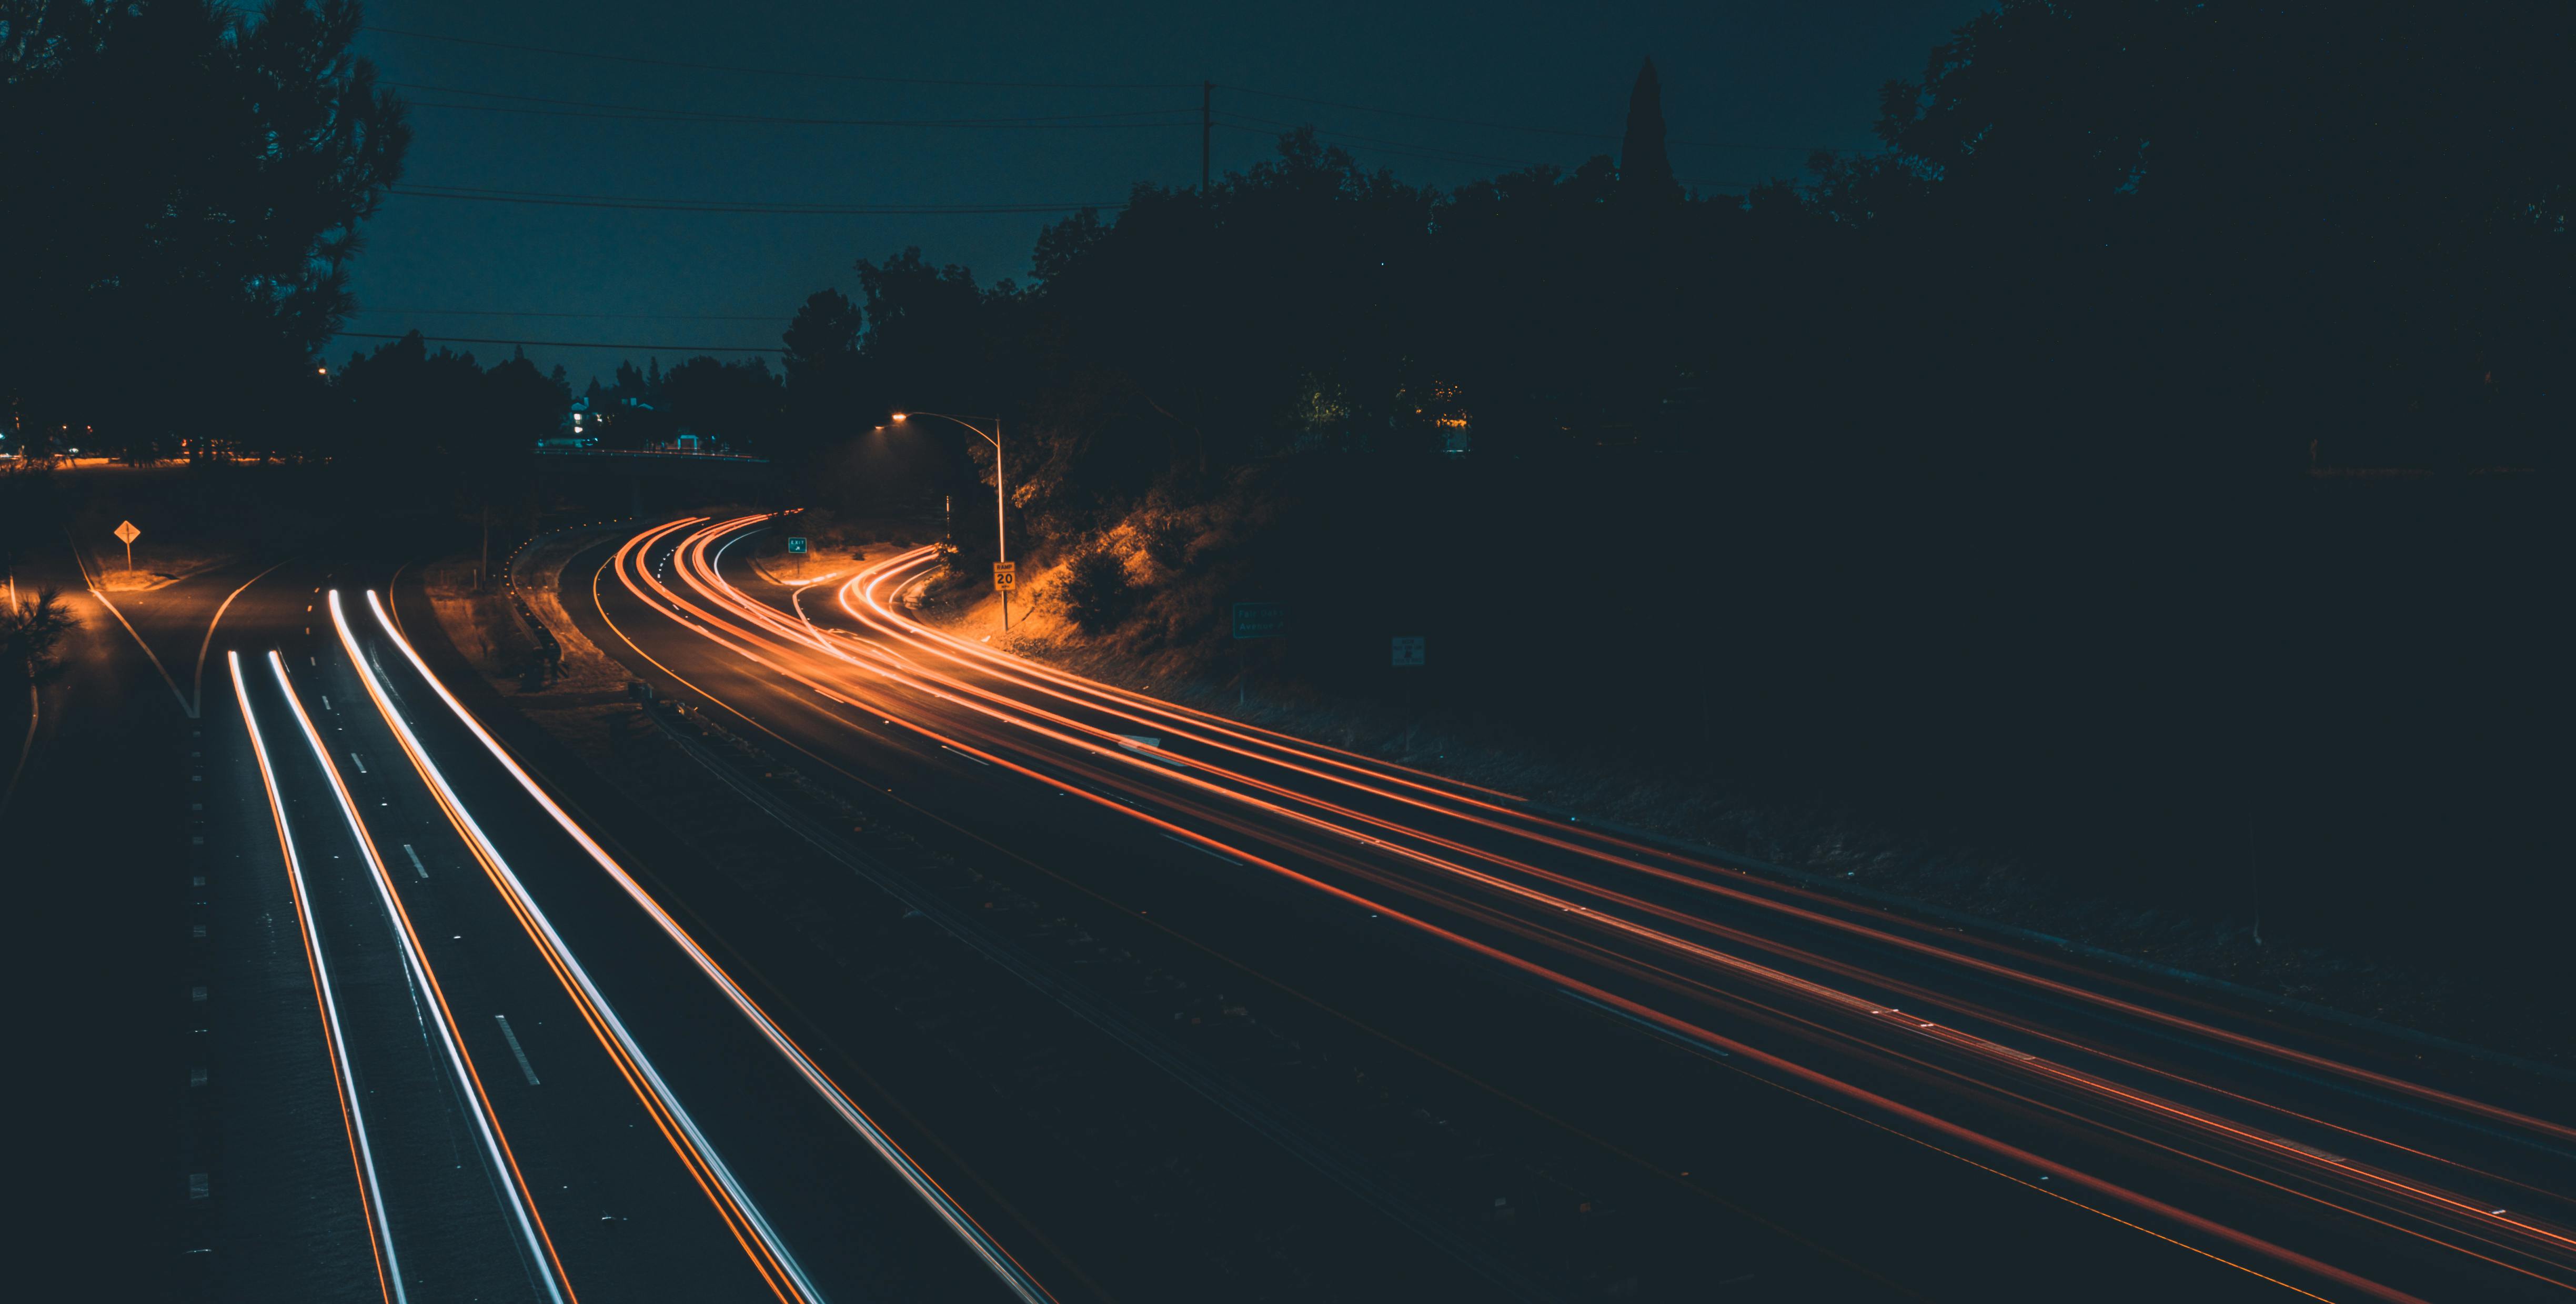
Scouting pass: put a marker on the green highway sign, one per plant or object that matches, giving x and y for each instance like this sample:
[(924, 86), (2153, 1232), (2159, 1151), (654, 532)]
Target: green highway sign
[(796, 543), (1260, 619)]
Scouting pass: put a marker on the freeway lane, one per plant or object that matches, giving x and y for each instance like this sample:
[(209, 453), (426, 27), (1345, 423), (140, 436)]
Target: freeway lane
[(597, 1186), (2392, 1105), (589, 1178), (837, 1219), (2251, 1126), (1773, 1165), (448, 1208)]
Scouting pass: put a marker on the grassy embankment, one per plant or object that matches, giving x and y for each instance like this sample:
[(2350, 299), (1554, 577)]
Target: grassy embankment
[(590, 688)]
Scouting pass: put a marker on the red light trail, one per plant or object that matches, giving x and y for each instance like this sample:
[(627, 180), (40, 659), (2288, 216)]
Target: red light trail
[(1632, 917)]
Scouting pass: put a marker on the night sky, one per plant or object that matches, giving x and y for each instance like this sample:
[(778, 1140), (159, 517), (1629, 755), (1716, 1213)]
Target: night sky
[(1748, 89)]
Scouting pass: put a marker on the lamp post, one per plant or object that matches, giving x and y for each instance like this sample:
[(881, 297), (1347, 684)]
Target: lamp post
[(1001, 536)]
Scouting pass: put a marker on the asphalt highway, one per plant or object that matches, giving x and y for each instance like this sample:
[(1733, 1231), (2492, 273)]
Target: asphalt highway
[(451, 1059), (1277, 1020), (1938, 1112)]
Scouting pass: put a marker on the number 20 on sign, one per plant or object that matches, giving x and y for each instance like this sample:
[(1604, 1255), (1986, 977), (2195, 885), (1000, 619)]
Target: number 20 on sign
[(1006, 576)]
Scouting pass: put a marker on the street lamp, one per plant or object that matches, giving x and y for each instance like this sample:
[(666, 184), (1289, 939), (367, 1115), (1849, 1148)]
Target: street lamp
[(1001, 537)]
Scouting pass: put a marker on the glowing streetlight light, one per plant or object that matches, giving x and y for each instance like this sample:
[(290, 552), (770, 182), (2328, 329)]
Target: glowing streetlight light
[(1001, 537)]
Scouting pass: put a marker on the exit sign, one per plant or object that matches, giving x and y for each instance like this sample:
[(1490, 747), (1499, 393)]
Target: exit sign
[(796, 543), (1260, 619), (1408, 651)]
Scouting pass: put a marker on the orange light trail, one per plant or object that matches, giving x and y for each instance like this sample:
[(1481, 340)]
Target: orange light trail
[(703, 579), (787, 643), (873, 613), (748, 625)]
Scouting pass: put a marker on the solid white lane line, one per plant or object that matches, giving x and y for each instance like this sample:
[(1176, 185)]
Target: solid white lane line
[(513, 1039), (1013, 1277), (322, 982), (417, 867), (416, 967), (670, 1101)]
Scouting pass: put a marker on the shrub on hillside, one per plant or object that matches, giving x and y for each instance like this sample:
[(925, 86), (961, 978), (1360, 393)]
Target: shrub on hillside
[(33, 629), (1167, 541), (1095, 591)]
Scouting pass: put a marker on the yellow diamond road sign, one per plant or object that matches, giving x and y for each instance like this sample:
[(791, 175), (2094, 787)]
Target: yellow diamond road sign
[(1006, 576), (126, 533)]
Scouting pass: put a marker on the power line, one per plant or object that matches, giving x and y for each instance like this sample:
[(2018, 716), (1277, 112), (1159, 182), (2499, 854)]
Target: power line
[(779, 72), (1510, 126), (569, 344), (656, 113), (756, 203), (934, 81), (1391, 146), (1377, 145), (635, 204), (583, 316), (755, 119)]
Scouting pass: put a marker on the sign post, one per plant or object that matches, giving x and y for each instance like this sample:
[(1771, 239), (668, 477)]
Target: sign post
[(796, 548), (1254, 620), (129, 534)]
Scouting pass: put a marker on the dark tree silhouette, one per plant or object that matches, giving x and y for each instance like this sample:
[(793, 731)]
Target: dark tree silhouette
[(1968, 481), (740, 403), (196, 167), (1645, 171)]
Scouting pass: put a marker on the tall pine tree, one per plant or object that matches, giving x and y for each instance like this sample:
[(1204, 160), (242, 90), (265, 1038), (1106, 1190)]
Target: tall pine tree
[(1645, 172)]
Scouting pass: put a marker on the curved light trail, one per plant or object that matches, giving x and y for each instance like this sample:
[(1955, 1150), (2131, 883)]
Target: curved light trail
[(1236, 779)]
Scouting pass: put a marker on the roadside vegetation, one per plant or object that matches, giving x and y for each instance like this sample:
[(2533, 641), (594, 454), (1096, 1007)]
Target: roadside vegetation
[(33, 626), (2048, 489)]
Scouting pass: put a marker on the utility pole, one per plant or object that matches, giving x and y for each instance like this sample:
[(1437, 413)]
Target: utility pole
[(2254, 866), (1001, 527), (1207, 105)]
